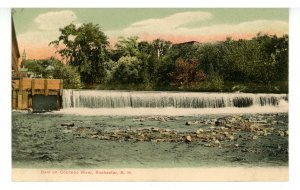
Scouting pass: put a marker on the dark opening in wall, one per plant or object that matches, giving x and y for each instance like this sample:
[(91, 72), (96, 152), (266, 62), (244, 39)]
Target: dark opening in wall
[(41, 103)]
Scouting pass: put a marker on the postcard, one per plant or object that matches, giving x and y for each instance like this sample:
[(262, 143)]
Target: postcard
[(150, 94)]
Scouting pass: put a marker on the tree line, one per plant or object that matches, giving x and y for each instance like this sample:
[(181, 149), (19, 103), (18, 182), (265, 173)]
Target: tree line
[(257, 64)]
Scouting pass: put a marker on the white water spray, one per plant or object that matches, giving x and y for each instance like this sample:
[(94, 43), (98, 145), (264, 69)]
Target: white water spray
[(101, 102)]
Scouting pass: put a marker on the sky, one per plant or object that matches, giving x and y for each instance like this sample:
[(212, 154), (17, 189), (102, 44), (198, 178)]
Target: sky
[(37, 27)]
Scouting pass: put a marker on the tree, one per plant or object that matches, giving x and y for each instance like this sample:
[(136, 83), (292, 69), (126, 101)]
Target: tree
[(165, 72), (126, 47), (71, 79), (84, 47), (127, 71), (187, 73), (33, 66), (161, 47)]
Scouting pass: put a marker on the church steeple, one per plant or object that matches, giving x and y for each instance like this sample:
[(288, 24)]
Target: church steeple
[(24, 56)]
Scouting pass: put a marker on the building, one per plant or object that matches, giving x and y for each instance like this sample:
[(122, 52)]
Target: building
[(24, 55), (187, 43), (15, 49)]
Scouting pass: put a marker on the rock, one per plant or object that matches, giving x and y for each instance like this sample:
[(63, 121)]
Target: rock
[(188, 123), (231, 138), (155, 129), (188, 138), (216, 142), (249, 127), (228, 125), (287, 133), (232, 120), (281, 133), (67, 131), (199, 131), (162, 119), (68, 124), (259, 133), (220, 122), (262, 122), (281, 122), (236, 145), (29, 110), (94, 136), (254, 137)]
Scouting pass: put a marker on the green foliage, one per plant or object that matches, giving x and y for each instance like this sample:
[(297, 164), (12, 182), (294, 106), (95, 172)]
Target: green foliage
[(127, 47), (71, 79), (54, 69), (85, 48), (231, 65), (165, 72), (33, 66), (127, 70), (214, 81)]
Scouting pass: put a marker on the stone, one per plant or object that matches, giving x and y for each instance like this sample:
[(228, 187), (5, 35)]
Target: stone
[(220, 122), (67, 131), (254, 137), (94, 136), (188, 138), (188, 123), (68, 124), (199, 131), (259, 133), (231, 138), (281, 133), (162, 119), (155, 129), (216, 142), (232, 120)]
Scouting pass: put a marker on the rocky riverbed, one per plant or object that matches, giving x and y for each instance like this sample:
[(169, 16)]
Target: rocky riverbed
[(69, 141)]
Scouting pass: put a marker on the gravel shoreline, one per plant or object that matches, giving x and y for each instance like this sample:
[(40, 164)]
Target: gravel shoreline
[(228, 140)]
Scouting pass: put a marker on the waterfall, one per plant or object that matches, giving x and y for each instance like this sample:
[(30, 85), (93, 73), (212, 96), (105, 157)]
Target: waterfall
[(160, 99)]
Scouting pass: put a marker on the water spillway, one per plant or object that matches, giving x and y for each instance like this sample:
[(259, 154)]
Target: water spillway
[(159, 99)]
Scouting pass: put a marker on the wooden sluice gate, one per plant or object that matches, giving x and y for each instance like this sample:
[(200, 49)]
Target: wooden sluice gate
[(38, 94)]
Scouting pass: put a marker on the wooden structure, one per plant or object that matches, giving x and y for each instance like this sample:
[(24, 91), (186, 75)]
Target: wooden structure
[(26, 88)]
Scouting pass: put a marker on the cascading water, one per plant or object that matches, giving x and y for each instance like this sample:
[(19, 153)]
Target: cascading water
[(124, 99), (104, 102)]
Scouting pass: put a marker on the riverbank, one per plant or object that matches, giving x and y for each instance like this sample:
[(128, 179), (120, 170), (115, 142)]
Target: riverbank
[(222, 140)]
